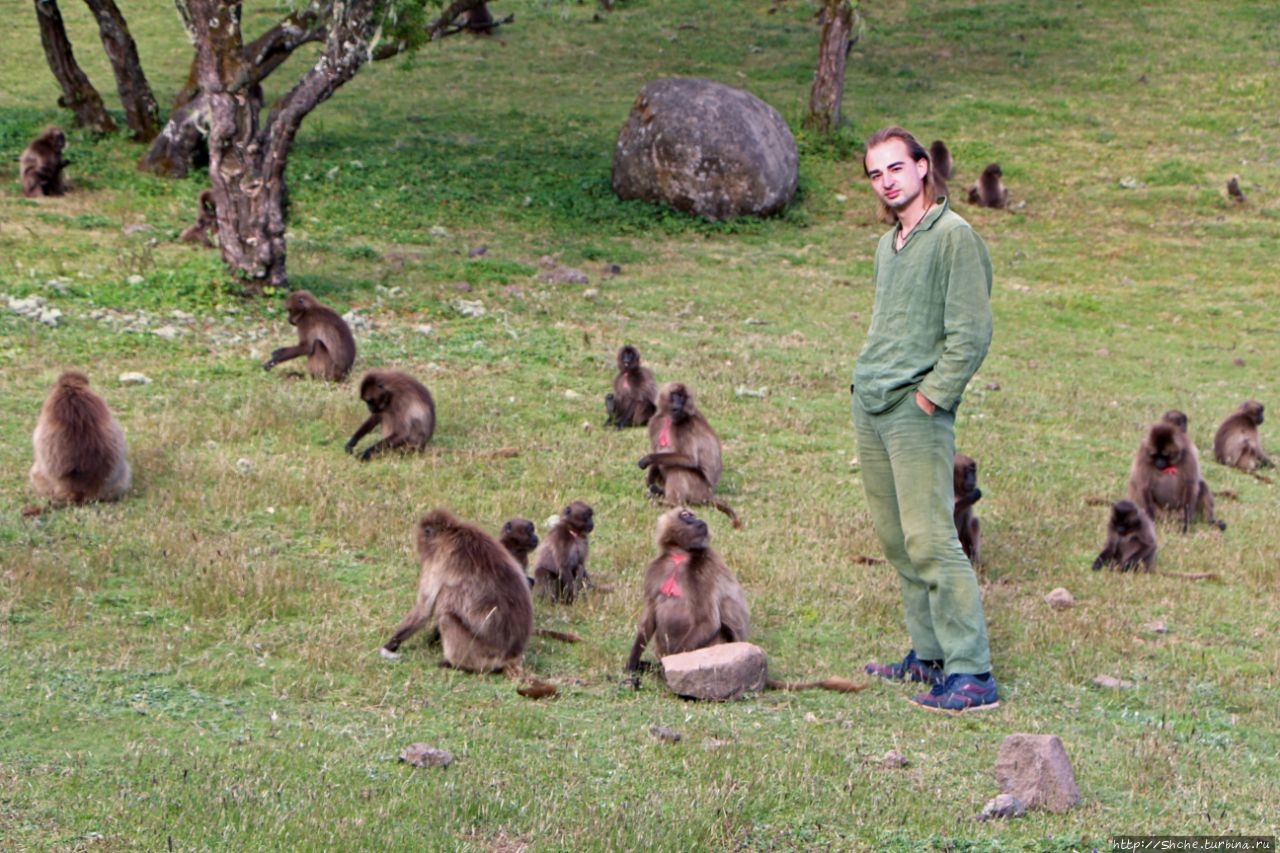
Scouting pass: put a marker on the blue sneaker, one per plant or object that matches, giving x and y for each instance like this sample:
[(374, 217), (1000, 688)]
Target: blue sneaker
[(960, 692), (911, 668)]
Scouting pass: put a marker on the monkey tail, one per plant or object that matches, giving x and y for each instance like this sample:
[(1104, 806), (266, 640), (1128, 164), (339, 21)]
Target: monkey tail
[(1191, 576), (839, 685), (562, 636), (727, 510)]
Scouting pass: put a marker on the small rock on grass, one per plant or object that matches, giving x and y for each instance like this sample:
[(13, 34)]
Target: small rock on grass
[(1003, 806), (424, 755)]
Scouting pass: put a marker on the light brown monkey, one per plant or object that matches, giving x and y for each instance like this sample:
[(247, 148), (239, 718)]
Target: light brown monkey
[(41, 165), (520, 538), (1236, 442), (404, 408), (472, 592), (691, 598), (942, 166), (967, 494), (560, 568), (80, 450), (323, 337), (635, 392), (1165, 475), (685, 462), (1131, 539), (206, 222), (1204, 494), (989, 191)]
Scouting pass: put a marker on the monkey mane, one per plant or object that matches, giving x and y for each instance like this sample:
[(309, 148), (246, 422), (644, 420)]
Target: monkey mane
[(83, 421)]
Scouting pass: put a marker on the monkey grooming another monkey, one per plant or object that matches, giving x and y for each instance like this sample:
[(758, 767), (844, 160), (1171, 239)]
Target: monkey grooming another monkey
[(967, 494), (560, 569), (691, 598), (685, 462), (206, 222), (943, 167), (79, 446), (989, 191), (41, 165), (1131, 539), (472, 592), (323, 337), (404, 408), (1236, 442), (1166, 475), (635, 392), (520, 539)]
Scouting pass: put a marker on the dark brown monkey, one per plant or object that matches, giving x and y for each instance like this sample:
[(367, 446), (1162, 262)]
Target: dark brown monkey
[(206, 222), (943, 167), (685, 462), (967, 494), (635, 392), (1236, 442), (404, 408), (79, 446), (1131, 539), (1233, 189), (472, 592), (691, 598), (1166, 476), (520, 539), (560, 568), (41, 165), (323, 337), (989, 191)]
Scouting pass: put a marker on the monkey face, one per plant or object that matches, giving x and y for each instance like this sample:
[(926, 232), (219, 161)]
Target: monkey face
[(1166, 449), (522, 530), (375, 395), (628, 358), (1254, 410), (1125, 517), (681, 403), (297, 304), (696, 536), (578, 516)]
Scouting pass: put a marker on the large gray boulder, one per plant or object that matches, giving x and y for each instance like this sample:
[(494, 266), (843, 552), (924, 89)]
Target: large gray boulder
[(705, 148)]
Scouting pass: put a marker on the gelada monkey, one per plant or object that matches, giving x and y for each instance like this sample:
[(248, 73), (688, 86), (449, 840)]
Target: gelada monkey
[(635, 392), (41, 165), (1131, 539), (967, 494), (989, 191), (943, 167), (472, 592), (685, 462), (520, 538), (1165, 475), (693, 600), (206, 222), (402, 406), (323, 337), (1236, 442), (79, 446), (560, 569)]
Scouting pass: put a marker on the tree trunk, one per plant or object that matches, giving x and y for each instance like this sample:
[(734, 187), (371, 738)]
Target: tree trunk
[(828, 82), (78, 93), (141, 112)]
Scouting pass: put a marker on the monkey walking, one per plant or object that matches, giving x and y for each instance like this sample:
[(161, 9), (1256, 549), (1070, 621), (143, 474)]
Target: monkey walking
[(80, 450), (1165, 474), (402, 406), (967, 494), (472, 592), (1131, 539), (560, 569), (635, 392), (41, 165), (685, 463), (323, 337), (1236, 443)]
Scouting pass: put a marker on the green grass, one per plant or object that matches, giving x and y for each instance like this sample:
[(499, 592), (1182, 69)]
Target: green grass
[(195, 667)]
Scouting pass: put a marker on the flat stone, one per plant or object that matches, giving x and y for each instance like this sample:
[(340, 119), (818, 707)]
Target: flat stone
[(717, 673)]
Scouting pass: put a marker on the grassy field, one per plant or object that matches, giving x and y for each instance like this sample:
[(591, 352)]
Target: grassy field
[(195, 667)]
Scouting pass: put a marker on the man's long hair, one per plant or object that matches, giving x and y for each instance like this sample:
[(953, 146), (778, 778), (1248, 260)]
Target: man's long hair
[(917, 151)]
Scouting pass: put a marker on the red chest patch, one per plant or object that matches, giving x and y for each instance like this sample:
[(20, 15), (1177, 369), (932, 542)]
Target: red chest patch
[(664, 437), (670, 587)]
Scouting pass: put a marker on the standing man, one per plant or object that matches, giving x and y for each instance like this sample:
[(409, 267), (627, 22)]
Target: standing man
[(930, 330)]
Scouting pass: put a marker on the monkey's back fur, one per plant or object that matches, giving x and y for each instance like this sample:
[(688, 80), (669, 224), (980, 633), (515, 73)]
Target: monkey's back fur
[(80, 452)]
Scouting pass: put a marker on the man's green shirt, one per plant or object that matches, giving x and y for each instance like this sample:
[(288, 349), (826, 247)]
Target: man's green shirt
[(931, 326)]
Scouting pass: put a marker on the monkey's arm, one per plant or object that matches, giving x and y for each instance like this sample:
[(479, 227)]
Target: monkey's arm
[(285, 354), (963, 502), (669, 459), (388, 443), (365, 428), (735, 620), (647, 626)]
